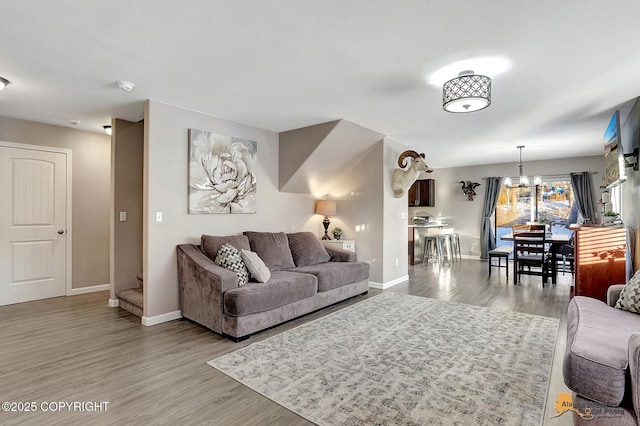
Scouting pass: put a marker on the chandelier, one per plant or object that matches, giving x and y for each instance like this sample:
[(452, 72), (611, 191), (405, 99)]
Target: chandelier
[(524, 180)]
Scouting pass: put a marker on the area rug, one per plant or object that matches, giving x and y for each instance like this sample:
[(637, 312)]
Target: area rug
[(405, 360)]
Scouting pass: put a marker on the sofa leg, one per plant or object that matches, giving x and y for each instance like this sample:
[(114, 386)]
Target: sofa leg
[(365, 293), (236, 339)]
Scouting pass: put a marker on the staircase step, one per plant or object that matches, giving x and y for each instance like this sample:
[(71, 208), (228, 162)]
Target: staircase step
[(131, 300)]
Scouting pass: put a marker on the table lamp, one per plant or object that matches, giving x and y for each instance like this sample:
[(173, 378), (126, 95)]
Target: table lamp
[(326, 208)]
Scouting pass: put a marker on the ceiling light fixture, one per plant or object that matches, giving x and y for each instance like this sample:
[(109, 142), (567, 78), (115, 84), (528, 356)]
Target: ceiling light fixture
[(107, 129), (468, 92), (3, 83), (524, 180)]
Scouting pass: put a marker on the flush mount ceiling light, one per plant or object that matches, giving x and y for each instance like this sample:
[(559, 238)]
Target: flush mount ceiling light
[(107, 129), (468, 92), (3, 83)]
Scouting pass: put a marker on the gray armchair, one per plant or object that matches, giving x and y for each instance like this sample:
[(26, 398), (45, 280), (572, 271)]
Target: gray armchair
[(602, 361)]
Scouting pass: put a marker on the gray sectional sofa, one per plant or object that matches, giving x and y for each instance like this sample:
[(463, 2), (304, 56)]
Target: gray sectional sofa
[(304, 276), (602, 361)]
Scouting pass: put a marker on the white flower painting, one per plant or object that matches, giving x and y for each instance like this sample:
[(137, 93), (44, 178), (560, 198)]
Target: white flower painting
[(221, 178)]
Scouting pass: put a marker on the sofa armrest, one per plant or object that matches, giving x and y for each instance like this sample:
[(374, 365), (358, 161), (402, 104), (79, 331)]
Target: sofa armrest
[(613, 293), (634, 370), (201, 285), (339, 255)]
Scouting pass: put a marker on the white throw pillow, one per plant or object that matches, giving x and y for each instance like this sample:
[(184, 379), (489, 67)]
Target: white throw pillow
[(629, 299), (256, 266)]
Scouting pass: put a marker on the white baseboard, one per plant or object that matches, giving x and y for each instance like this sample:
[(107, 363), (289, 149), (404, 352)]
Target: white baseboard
[(472, 257), (114, 303), (91, 289), (388, 284), (157, 319)]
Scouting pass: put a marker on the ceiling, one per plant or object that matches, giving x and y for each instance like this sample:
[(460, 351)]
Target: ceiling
[(285, 64)]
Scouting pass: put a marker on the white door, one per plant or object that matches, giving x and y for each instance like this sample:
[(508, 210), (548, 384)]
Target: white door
[(32, 224)]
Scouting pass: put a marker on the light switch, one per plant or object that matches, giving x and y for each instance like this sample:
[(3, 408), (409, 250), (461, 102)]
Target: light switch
[(158, 216), (123, 216)]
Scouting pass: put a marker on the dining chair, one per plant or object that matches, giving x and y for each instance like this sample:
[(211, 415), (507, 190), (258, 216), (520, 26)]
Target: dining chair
[(530, 255)]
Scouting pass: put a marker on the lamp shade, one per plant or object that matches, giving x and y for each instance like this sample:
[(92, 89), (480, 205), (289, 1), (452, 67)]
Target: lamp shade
[(466, 93), (326, 207)]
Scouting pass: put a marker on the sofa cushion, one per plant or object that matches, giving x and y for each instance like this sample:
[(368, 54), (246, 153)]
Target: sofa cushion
[(211, 244), (306, 249), (282, 289), (336, 274), (629, 299), (230, 258), (256, 266), (596, 356), (273, 249)]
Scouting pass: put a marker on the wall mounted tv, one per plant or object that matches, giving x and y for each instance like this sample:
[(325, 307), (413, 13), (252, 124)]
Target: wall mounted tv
[(614, 171)]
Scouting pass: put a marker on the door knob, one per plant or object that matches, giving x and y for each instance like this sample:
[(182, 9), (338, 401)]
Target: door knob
[(60, 231)]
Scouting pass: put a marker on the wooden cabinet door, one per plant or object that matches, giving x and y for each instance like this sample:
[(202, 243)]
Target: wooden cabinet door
[(422, 193), (600, 260)]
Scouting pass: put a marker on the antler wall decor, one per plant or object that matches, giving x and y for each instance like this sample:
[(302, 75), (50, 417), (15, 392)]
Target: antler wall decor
[(403, 179), (468, 188)]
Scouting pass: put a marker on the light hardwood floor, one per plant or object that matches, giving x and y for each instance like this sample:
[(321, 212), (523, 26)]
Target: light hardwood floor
[(79, 349)]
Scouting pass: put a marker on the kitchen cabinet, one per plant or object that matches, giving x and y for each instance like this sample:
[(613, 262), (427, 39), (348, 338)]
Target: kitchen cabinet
[(600, 260), (422, 193)]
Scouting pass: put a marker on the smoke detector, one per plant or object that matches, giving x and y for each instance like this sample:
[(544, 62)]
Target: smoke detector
[(125, 85)]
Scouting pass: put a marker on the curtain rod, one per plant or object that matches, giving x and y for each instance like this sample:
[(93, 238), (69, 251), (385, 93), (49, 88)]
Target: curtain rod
[(555, 175)]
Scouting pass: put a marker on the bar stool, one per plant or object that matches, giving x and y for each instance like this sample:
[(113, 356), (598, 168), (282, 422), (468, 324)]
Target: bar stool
[(455, 245), (445, 247), (431, 249)]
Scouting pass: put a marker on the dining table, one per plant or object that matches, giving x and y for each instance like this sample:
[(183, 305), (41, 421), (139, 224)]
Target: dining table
[(555, 241)]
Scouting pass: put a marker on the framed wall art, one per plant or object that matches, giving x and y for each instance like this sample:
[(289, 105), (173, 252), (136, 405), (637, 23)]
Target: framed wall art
[(221, 173)]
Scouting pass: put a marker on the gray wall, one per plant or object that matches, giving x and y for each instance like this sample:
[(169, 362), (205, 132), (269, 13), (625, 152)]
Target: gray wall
[(630, 189), (165, 190), (90, 208), (453, 208), (127, 151)]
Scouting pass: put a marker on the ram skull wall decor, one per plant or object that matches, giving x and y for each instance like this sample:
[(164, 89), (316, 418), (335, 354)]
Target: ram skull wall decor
[(404, 178)]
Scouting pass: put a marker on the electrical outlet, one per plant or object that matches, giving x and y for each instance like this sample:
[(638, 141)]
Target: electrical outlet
[(474, 246), (158, 216), (397, 261), (123, 216)]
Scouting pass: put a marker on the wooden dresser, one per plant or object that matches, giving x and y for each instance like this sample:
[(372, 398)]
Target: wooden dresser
[(600, 260)]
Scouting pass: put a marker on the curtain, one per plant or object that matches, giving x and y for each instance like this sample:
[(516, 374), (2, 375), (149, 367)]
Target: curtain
[(631, 251), (487, 233), (581, 183)]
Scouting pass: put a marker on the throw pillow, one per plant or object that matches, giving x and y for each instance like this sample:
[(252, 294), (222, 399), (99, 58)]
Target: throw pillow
[(230, 258), (256, 266), (273, 249), (306, 249), (629, 299), (210, 244)]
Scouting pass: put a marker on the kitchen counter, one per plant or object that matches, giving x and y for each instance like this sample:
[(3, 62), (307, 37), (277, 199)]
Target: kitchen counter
[(417, 233)]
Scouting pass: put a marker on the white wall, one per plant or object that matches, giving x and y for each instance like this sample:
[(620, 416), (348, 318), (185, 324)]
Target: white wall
[(165, 183), (395, 237), (453, 208)]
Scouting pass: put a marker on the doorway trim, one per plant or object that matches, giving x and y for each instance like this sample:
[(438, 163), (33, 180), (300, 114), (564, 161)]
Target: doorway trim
[(69, 229)]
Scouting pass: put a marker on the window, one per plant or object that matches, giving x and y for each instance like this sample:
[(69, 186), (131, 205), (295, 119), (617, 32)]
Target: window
[(551, 202)]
